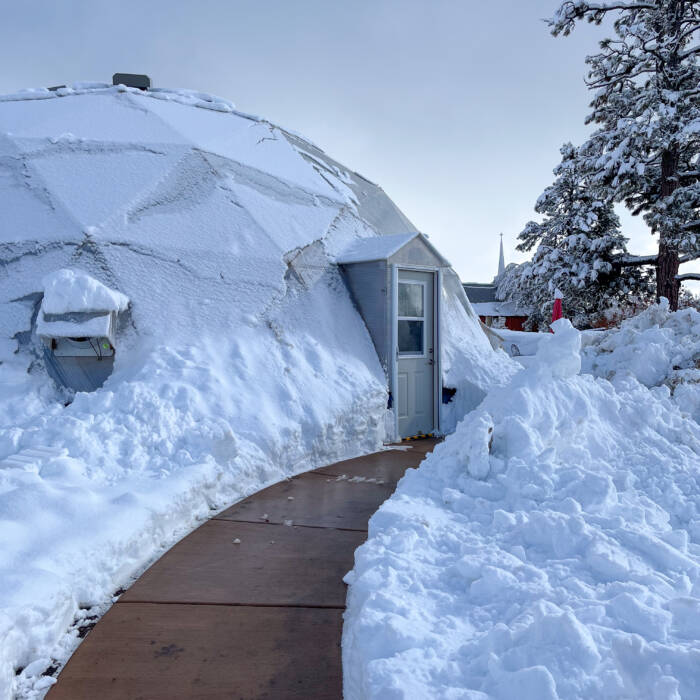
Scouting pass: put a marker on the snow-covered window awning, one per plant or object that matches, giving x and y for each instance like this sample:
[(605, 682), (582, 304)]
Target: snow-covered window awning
[(76, 305)]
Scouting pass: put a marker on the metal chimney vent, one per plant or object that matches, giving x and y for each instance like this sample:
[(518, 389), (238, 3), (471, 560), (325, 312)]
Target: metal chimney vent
[(142, 82)]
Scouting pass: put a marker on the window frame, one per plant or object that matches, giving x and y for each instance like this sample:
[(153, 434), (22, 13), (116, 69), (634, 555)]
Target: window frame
[(404, 355)]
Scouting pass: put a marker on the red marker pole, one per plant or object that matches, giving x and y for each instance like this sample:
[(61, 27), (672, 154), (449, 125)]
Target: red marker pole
[(557, 311)]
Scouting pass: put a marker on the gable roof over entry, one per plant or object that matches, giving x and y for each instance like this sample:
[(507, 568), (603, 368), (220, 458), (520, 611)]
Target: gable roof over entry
[(384, 247)]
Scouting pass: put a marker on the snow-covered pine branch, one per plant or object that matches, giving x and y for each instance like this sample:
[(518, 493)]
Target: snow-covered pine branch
[(569, 12), (633, 260), (577, 248), (646, 103)]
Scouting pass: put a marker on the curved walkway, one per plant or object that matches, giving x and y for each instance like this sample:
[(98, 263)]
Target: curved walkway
[(250, 604)]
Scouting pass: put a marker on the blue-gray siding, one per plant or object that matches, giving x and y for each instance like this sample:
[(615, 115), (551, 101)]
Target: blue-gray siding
[(370, 286)]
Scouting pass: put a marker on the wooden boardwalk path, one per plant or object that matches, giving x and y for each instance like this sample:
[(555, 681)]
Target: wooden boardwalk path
[(250, 604)]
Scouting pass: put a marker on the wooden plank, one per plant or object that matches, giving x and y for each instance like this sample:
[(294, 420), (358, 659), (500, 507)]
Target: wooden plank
[(388, 466), (146, 651), (272, 565), (316, 500)]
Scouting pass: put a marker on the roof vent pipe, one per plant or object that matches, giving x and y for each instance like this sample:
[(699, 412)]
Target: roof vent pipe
[(142, 82)]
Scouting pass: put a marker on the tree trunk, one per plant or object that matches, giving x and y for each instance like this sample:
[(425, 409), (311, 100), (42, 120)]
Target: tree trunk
[(667, 263), (666, 270)]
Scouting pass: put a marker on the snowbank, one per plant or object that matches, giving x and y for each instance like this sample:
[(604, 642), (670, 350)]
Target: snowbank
[(657, 347), (469, 363), (550, 548), (91, 493)]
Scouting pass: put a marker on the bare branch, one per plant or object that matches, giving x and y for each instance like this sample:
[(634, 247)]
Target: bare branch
[(608, 7)]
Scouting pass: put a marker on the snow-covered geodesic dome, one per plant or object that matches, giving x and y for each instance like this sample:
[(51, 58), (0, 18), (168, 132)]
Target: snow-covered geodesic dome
[(201, 243), (158, 192), (200, 214)]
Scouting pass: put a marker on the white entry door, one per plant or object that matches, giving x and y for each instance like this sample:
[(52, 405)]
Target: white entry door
[(415, 336)]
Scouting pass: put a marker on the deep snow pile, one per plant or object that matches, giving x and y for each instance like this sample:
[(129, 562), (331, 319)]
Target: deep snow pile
[(468, 363), (240, 360), (657, 347), (549, 548)]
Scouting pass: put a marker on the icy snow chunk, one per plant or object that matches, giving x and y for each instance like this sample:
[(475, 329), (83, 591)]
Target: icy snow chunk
[(494, 583), (534, 683), (72, 290), (635, 616), (686, 616)]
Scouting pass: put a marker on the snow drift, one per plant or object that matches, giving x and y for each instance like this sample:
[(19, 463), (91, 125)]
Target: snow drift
[(550, 547), (657, 347), (241, 358)]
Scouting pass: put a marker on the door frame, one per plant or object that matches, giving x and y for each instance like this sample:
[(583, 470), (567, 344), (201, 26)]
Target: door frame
[(394, 344)]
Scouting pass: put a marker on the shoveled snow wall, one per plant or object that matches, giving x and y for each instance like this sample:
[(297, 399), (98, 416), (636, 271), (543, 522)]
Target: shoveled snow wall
[(549, 549)]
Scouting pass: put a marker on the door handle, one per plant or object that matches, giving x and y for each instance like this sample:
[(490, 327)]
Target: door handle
[(431, 362)]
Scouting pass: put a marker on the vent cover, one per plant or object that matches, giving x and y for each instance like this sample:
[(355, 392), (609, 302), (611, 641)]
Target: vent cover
[(142, 82)]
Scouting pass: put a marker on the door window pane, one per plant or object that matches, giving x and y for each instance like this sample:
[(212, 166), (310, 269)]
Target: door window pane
[(410, 337), (410, 299)]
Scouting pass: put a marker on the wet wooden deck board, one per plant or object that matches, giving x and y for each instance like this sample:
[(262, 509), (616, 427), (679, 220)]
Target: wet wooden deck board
[(147, 651), (315, 500), (272, 565)]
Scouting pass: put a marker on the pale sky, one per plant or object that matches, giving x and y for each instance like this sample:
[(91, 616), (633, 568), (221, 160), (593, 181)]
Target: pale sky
[(456, 108)]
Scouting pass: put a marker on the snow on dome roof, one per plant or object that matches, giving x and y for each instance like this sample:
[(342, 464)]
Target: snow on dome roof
[(171, 197)]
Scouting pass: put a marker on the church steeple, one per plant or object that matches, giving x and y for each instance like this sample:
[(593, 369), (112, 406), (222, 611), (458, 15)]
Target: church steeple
[(501, 259)]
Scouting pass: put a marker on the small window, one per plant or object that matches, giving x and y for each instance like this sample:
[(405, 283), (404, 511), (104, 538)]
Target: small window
[(410, 337), (411, 318), (410, 299)]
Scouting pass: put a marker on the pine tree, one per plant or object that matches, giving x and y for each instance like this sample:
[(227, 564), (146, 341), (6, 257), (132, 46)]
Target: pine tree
[(646, 85), (575, 249)]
